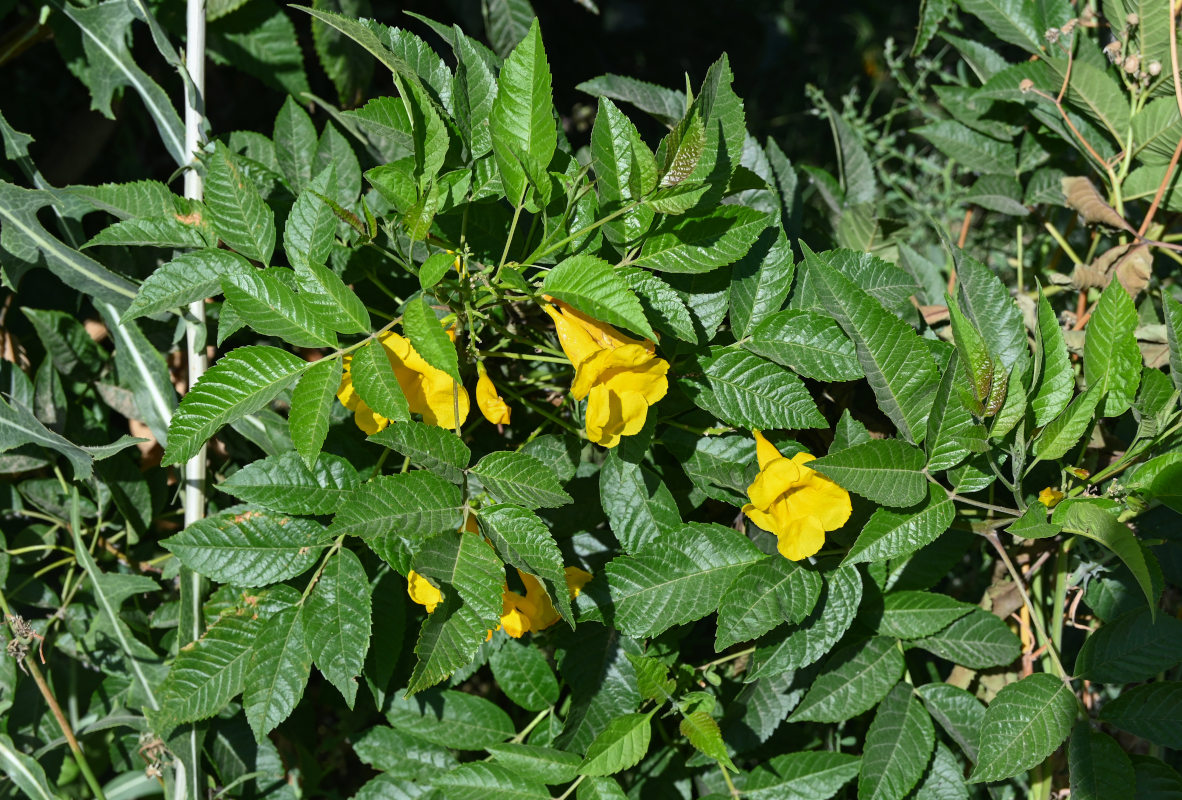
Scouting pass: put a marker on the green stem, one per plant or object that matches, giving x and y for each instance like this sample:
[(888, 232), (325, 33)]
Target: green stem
[(542, 251), (67, 731), (1059, 598), (508, 241), (320, 569)]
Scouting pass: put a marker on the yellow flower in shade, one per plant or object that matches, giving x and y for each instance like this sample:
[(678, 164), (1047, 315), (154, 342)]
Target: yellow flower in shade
[(494, 409), (535, 611), (429, 391), (619, 376), (422, 592), (794, 502), (1050, 497)]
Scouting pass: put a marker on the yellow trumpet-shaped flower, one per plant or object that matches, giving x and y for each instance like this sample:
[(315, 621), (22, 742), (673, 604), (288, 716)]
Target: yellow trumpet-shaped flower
[(1050, 497), (796, 503), (620, 377), (535, 611), (429, 391), (490, 403), (422, 592)]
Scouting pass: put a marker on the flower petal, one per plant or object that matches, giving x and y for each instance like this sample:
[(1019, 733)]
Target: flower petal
[(490, 403), (776, 478), (611, 415), (765, 451), (804, 538), (422, 592)]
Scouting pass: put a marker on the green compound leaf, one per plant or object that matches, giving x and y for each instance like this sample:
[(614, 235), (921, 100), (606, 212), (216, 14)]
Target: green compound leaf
[(523, 541), (899, 743), (428, 337), (1112, 360), (853, 680), (374, 381), (243, 381), (287, 484), (639, 506), (808, 343), (311, 225), (1086, 519), (276, 672), (1056, 381), (896, 362), (235, 210), (959, 713), (151, 232), (525, 677), (752, 393), (661, 302), (401, 755), (484, 781), (915, 614), (768, 593), (694, 244), (337, 621), (1152, 711), (546, 764), (311, 407), (890, 534), (524, 134), (1131, 648), (665, 105), (330, 300), (413, 505), (187, 278), (450, 636), (677, 579), (429, 446), (453, 719), (624, 171), (295, 144), (520, 479), (593, 286), (1064, 431), (205, 676), (814, 775), (1100, 768), (794, 646), (703, 733), (249, 548), (1023, 725), (952, 434), (886, 471), (265, 303), (620, 746), (977, 640)]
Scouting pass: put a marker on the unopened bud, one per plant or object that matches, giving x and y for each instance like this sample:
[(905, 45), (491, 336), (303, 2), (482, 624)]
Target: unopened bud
[(1052, 35), (1132, 63), (1112, 50), (1155, 68), (1132, 19), (1025, 86)]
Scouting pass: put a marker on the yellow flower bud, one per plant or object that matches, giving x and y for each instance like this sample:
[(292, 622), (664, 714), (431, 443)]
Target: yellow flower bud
[(490, 403), (1050, 497)]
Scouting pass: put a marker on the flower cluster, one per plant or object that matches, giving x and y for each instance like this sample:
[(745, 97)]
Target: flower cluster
[(429, 391), (619, 376), (796, 503)]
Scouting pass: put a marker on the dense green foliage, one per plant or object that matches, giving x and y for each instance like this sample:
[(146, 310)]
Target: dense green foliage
[(865, 482)]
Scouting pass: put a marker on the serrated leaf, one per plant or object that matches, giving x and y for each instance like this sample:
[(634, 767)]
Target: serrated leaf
[(412, 505), (349, 69), (886, 471), (546, 764), (523, 541), (661, 303), (808, 343), (1131, 648), (952, 433), (376, 384), (1100, 768), (1098, 525), (450, 636), (750, 392), (852, 681), (666, 105), (973, 150), (474, 91), (1054, 440), (760, 281), (897, 364), (703, 733), (276, 672), (520, 479), (899, 743), (467, 564), (429, 446), (131, 200), (524, 135), (959, 713), (484, 781), (987, 302), (207, 673), (1057, 378), (401, 755), (768, 593), (295, 144), (251, 548), (453, 719), (592, 286), (242, 381), (621, 745), (330, 299), (1023, 725), (311, 407), (185, 279), (334, 149), (914, 614), (524, 676), (677, 579), (428, 338), (1112, 360), (652, 678), (890, 534), (151, 232), (235, 210), (1172, 310), (812, 775), (795, 646), (640, 508), (267, 304), (1152, 711), (286, 484), (337, 622), (977, 640), (696, 244), (24, 771)]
